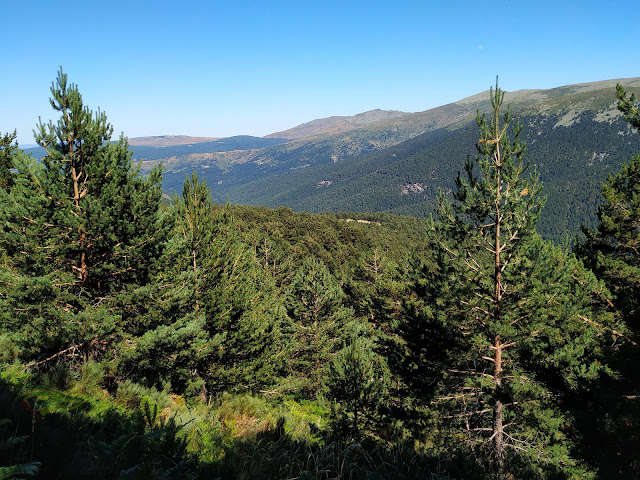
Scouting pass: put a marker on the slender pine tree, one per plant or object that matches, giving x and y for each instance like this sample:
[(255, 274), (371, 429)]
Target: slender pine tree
[(215, 316), (516, 332), (319, 320), (612, 251), (358, 382), (8, 149)]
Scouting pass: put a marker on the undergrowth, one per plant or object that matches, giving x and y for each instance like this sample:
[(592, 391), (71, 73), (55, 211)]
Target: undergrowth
[(135, 431)]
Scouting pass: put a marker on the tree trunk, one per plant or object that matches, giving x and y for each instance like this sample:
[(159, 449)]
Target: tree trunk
[(498, 429), (196, 290), (83, 271)]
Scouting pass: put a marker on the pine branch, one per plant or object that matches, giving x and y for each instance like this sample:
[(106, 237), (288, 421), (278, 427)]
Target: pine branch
[(468, 372), (470, 414), (71, 349)]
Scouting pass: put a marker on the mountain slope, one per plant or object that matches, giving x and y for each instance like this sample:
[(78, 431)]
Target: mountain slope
[(572, 162), (396, 162), (333, 125), (575, 136)]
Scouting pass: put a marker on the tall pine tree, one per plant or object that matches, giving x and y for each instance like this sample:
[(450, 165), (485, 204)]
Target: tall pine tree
[(103, 214), (517, 333), (7, 151), (80, 230), (612, 251)]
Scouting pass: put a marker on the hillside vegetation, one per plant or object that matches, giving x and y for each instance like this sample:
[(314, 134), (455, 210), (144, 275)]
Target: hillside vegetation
[(396, 162), (200, 339)]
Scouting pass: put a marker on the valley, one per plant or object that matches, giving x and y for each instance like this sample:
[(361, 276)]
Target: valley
[(370, 161)]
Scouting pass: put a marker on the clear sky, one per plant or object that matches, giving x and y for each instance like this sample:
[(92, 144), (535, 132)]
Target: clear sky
[(222, 68)]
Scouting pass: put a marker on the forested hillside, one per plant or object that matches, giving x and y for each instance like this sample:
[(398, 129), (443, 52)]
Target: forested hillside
[(405, 179), (396, 162), (199, 339)]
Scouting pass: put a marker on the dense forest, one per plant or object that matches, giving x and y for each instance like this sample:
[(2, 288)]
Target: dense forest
[(146, 340), (571, 161), (575, 137)]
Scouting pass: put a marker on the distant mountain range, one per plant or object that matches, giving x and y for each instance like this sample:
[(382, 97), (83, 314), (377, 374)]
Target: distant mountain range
[(168, 140), (396, 162)]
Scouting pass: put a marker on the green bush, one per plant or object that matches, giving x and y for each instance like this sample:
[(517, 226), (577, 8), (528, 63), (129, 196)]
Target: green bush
[(133, 395)]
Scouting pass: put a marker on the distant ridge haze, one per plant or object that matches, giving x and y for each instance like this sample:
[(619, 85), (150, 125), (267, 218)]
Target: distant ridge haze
[(168, 140), (437, 117), (396, 162)]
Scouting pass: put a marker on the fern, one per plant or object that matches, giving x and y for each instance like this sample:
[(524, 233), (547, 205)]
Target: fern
[(14, 471), (22, 470)]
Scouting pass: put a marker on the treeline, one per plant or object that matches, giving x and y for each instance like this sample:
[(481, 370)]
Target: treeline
[(198, 340)]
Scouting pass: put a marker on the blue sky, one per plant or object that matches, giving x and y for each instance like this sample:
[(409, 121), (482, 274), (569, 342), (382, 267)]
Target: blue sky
[(212, 68)]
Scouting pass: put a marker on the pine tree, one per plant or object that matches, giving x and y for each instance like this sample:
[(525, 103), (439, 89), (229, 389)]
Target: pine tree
[(215, 319), (37, 305), (516, 333), (197, 227), (80, 231), (314, 303), (612, 251), (244, 314), (376, 288), (7, 152), (103, 214), (494, 218), (358, 382), (22, 214), (627, 105)]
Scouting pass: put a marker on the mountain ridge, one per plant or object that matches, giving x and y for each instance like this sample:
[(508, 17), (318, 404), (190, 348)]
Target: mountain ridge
[(395, 162), (336, 124), (168, 140)]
